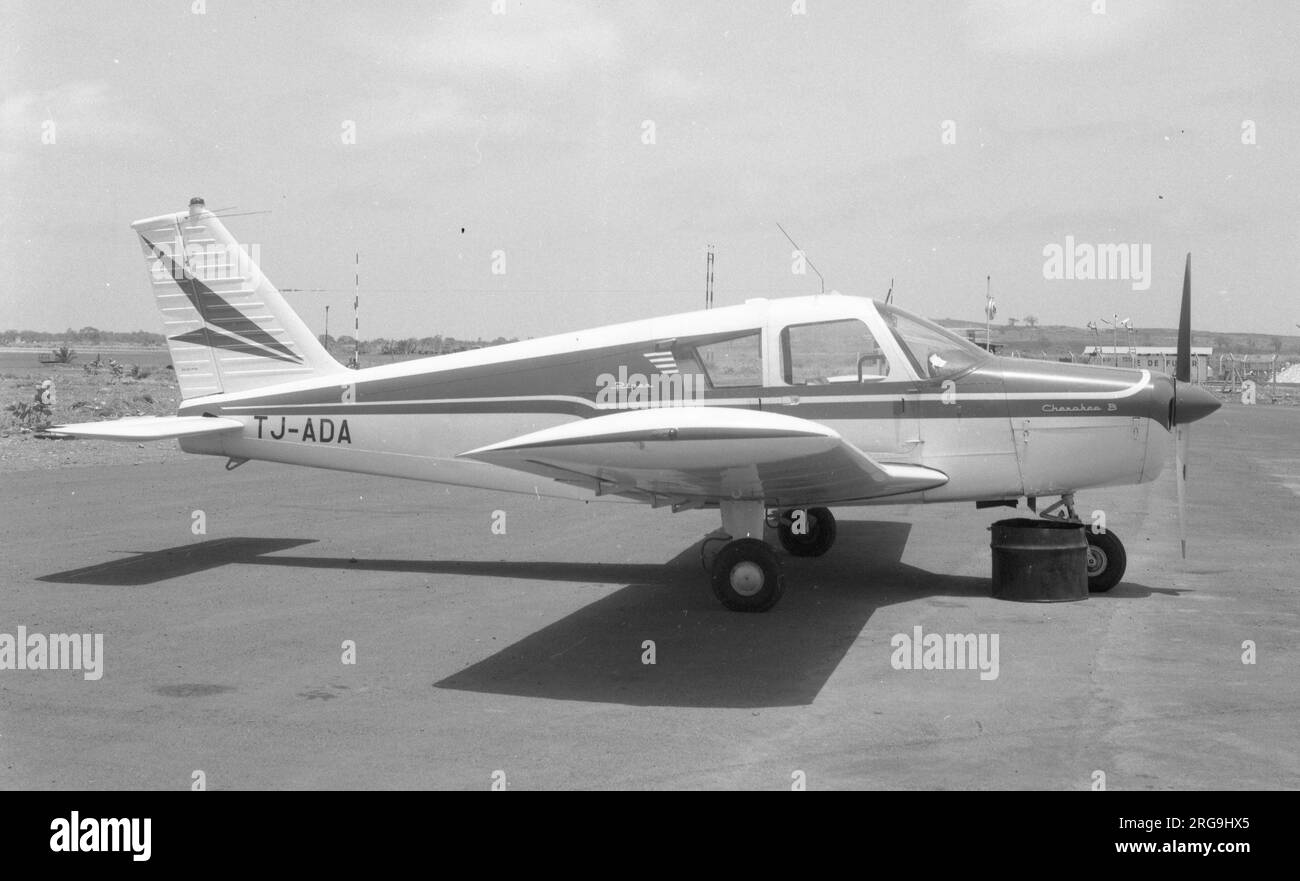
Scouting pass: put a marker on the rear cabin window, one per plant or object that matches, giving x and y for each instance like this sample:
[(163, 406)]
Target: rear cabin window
[(733, 362), (831, 351)]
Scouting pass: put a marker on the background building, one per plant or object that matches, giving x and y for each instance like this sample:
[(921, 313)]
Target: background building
[(1162, 358)]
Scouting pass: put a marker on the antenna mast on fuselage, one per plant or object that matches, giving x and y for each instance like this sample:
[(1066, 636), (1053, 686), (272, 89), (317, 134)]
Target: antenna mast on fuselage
[(804, 255)]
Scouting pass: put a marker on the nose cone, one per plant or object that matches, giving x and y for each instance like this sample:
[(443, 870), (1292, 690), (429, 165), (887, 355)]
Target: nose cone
[(1192, 402)]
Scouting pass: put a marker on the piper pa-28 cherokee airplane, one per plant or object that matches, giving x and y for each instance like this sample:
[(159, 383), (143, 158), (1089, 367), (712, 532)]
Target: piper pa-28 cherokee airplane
[(771, 411)]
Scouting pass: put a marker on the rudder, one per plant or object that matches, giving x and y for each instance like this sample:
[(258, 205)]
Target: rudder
[(227, 326)]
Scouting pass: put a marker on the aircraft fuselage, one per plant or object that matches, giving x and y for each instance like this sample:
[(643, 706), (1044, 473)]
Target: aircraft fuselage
[(1000, 427)]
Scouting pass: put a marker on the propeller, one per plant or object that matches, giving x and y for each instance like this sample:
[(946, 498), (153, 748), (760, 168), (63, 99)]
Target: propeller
[(1183, 373), (1180, 464), (1190, 402)]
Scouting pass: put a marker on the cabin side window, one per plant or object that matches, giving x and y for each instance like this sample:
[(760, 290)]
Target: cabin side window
[(831, 351), (733, 362)]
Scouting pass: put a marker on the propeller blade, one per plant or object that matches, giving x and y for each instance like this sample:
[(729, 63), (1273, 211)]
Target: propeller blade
[(1190, 402), (1183, 366), (1180, 468)]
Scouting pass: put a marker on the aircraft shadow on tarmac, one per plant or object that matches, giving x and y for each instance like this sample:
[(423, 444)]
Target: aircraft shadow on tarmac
[(705, 655), (150, 567), (709, 657)]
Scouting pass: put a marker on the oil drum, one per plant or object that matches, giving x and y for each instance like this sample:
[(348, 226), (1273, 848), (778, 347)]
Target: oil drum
[(1039, 561)]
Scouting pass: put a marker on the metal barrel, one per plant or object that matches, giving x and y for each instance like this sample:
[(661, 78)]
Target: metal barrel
[(1039, 561)]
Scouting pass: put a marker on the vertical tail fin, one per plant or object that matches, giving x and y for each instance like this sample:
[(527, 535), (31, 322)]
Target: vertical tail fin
[(227, 326)]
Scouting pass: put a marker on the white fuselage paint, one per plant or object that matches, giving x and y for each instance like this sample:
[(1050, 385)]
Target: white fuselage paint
[(988, 457), (983, 458)]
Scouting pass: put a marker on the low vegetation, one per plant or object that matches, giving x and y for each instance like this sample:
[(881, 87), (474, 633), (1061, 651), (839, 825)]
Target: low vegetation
[(115, 369), (29, 415), (63, 354), (103, 390)]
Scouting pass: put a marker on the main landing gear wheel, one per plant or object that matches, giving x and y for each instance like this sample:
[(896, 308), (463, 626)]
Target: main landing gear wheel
[(816, 541), (747, 576), (1106, 560)]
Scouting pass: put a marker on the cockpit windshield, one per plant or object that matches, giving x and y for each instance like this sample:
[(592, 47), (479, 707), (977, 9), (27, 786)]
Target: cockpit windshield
[(934, 351)]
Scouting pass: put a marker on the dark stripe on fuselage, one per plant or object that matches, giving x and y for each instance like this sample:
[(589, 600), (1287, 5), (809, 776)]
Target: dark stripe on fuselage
[(864, 408), (567, 384)]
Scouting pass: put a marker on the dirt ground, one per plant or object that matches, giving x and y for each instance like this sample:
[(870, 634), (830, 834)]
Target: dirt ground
[(81, 396)]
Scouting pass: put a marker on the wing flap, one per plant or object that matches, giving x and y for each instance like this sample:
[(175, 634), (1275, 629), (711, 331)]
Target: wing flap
[(148, 428), (708, 454)]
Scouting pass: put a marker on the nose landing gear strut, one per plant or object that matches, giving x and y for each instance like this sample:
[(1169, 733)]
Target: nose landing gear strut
[(1106, 557)]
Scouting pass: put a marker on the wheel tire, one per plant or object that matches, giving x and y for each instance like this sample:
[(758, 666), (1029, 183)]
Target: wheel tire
[(818, 540), (747, 576), (1106, 560)]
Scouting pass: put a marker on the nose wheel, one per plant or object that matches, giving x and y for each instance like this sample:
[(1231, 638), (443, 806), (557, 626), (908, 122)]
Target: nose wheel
[(1106, 560)]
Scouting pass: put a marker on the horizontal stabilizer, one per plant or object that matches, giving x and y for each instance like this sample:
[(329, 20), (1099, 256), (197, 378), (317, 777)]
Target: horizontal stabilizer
[(148, 428)]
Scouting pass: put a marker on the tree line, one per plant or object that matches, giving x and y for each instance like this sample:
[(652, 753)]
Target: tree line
[(86, 336), (91, 336), (429, 345)]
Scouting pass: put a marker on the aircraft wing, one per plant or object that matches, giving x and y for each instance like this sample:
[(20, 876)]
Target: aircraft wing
[(686, 456), (148, 428)]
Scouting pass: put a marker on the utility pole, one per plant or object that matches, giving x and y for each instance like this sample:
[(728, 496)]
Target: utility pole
[(990, 309), (708, 280), (327, 327), (1114, 349), (356, 315)]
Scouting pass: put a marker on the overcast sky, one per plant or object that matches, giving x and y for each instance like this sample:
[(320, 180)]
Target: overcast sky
[(528, 131)]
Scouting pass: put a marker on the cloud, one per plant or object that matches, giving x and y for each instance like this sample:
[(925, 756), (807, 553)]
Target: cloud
[(409, 111), (82, 111), (464, 77), (538, 41), (668, 84), (28, 110), (1055, 29)]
